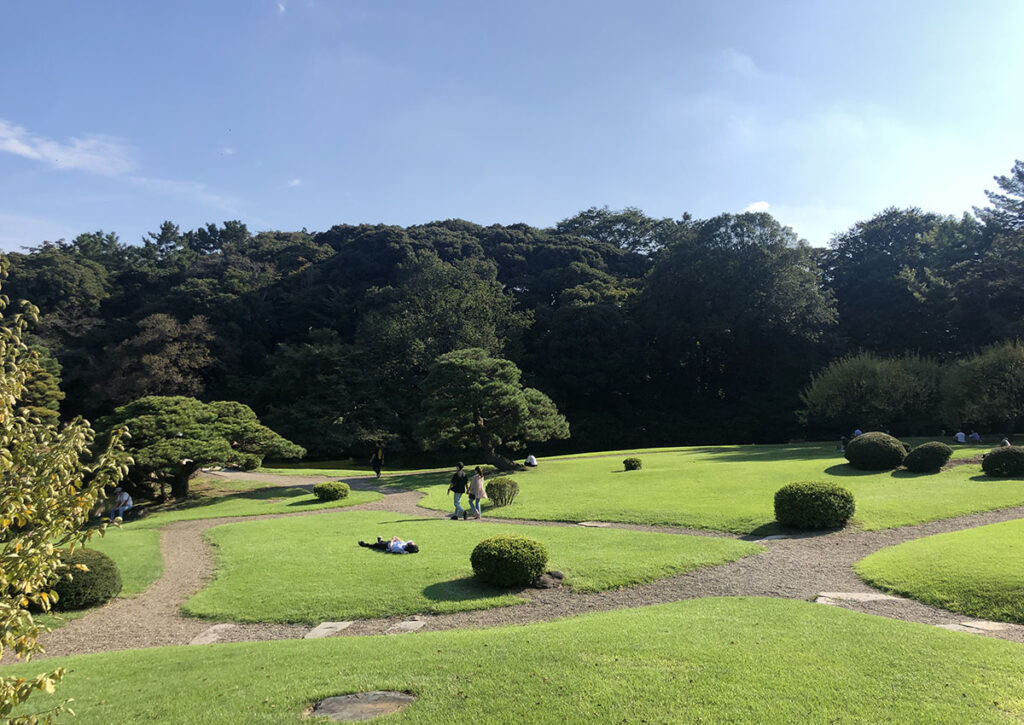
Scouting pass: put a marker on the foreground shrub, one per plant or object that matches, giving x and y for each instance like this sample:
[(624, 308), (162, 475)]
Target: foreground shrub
[(331, 490), (813, 505), (1005, 461), (632, 464), (502, 491), (98, 585), (875, 452), (928, 457), (509, 561)]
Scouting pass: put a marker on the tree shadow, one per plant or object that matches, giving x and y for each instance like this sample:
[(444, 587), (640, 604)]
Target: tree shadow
[(904, 473), (464, 589), (985, 478), (783, 452), (774, 528), (845, 469), (419, 481)]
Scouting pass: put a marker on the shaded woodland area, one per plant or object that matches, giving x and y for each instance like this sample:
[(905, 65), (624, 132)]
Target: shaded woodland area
[(642, 331)]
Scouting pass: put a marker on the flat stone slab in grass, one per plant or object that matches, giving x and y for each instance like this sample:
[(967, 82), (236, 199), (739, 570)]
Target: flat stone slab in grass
[(211, 634), (326, 629), (958, 628), (362, 705), (857, 597), (408, 626), (595, 524), (774, 537)]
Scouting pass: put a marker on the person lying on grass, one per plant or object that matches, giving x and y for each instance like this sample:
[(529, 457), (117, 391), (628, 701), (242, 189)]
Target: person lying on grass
[(395, 546)]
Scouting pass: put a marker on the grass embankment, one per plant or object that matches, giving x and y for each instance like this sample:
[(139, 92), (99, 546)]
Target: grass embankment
[(312, 570), (704, 660), (978, 571), (732, 488)]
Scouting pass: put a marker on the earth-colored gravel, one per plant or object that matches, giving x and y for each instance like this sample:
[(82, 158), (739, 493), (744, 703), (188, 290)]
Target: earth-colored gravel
[(798, 567)]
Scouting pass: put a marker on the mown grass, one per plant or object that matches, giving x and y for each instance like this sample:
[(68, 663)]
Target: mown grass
[(732, 488), (977, 571), (312, 570), (705, 660)]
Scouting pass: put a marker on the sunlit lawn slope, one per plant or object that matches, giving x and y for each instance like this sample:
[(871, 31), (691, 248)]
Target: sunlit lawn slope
[(707, 660), (732, 488), (978, 571), (311, 569)]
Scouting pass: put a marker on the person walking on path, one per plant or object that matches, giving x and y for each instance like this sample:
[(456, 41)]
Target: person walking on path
[(458, 487), (477, 493), (377, 460)]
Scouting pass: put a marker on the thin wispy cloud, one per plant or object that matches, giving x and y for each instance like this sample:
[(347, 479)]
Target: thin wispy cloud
[(195, 190), (227, 151), (294, 182), (739, 63), (281, 8), (95, 153)]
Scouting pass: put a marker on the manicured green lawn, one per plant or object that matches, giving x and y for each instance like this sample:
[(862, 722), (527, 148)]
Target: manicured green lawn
[(977, 571), (137, 554), (312, 570), (344, 468), (257, 501), (732, 488), (705, 660)]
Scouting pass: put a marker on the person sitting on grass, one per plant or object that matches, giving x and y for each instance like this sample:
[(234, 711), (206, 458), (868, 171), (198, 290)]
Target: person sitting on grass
[(395, 546), (122, 504)]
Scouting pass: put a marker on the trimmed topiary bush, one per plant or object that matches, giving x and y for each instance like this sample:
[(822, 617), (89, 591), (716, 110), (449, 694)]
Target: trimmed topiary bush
[(98, 585), (509, 561), (331, 490), (632, 464), (502, 491), (875, 452), (1003, 462), (813, 505), (928, 457)]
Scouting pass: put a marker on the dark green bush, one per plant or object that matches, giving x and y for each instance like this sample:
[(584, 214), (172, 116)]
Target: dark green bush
[(1005, 461), (928, 457), (813, 505), (875, 452), (91, 588), (502, 491), (331, 490), (632, 464), (509, 561)]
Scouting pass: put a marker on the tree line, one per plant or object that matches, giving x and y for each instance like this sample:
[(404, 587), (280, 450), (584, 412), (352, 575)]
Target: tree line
[(639, 330)]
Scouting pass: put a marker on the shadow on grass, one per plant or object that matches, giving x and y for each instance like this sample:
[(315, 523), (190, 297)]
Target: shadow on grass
[(465, 589), (776, 452), (266, 495), (418, 481), (774, 528), (985, 478), (845, 469)]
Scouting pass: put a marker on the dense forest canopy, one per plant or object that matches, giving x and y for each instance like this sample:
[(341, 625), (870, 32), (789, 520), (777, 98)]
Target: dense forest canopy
[(640, 330)]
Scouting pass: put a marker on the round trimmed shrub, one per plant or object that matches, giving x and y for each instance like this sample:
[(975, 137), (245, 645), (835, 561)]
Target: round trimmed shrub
[(813, 505), (502, 491), (875, 452), (331, 490), (928, 457), (1005, 461), (632, 464), (86, 588), (509, 561)]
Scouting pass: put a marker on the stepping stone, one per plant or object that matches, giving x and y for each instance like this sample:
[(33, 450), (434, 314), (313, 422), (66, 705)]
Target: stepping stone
[(957, 628), (362, 705), (859, 597), (403, 627), (326, 629), (595, 524), (211, 634), (774, 537), (986, 626)]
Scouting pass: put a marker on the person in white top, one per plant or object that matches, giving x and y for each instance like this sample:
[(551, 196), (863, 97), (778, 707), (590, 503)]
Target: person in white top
[(122, 504), (395, 546), (531, 461), (477, 491)]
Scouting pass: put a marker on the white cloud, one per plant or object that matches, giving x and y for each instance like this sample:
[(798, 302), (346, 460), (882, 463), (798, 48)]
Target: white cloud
[(294, 182), (93, 152), (191, 189), (739, 63), (227, 151), (757, 206), (281, 8)]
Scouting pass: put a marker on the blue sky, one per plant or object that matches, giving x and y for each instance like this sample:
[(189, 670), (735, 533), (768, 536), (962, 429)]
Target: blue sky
[(308, 113)]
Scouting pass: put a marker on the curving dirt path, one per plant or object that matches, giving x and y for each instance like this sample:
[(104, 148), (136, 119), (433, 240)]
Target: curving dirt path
[(799, 568)]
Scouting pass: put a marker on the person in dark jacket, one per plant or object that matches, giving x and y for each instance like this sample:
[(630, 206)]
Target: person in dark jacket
[(458, 487)]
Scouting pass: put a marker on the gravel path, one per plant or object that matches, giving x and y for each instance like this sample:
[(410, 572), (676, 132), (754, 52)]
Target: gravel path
[(799, 568)]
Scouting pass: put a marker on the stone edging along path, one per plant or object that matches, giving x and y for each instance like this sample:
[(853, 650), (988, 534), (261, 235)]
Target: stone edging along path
[(801, 567)]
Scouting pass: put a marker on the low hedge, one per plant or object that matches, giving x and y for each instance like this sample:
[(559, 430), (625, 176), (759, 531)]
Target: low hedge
[(875, 452), (502, 491), (77, 589), (928, 457), (1003, 462), (509, 561), (331, 490), (811, 505), (632, 464)]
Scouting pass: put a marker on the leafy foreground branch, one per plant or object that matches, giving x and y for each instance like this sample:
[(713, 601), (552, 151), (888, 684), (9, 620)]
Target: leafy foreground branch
[(46, 492)]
